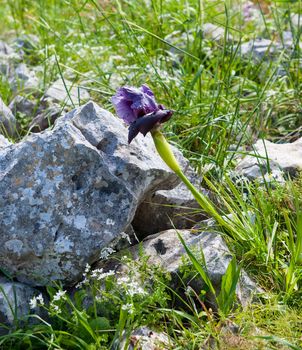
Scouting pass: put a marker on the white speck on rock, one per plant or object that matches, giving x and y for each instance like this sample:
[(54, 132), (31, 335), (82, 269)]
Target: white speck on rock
[(14, 245), (80, 222)]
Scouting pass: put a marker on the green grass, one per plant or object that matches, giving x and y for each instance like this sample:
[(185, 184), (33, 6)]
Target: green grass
[(223, 103)]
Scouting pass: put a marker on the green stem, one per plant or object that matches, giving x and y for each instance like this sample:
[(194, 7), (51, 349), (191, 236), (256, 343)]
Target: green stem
[(165, 151), (203, 201)]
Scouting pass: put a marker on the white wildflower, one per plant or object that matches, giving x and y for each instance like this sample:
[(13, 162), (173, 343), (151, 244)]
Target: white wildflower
[(125, 236), (100, 275), (106, 252), (129, 308), (36, 301), (55, 308), (131, 287), (87, 269), (33, 303), (59, 295)]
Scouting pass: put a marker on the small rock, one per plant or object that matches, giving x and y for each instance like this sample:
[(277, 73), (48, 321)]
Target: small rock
[(259, 49), (67, 93), (14, 303), (271, 160), (7, 59), (144, 338), (216, 33), (7, 121), (23, 105), (5, 49), (26, 43), (45, 119), (167, 209), (297, 20), (4, 142), (23, 78)]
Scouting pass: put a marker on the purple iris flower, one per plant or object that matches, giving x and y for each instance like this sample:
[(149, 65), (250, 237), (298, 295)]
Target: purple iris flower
[(138, 108)]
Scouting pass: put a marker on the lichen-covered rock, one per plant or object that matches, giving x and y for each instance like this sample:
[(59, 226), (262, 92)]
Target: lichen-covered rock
[(67, 93), (271, 160), (68, 192), (14, 303), (7, 121), (165, 249)]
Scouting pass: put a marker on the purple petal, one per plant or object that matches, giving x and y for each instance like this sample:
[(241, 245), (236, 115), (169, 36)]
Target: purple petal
[(148, 122), (146, 90), (131, 103), (123, 107)]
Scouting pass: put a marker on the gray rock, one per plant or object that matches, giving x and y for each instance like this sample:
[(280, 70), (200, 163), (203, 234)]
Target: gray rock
[(166, 209), (26, 43), (4, 142), (144, 338), (45, 119), (296, 19), (14, 303), (270, 161), (165, 249), (260, 49), (23, 105), (7, 59), (5, 49), (213, 32), (23, 79), (7, 121), (68, 192), (67, 93)]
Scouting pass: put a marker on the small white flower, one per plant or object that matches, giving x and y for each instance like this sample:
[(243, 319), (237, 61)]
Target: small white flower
[(129, 308), (55, 308), (125, 236), (87, 269), (59, 295), (36, 301), (40, 299), (106, 252), (33, 303), (100, 275)]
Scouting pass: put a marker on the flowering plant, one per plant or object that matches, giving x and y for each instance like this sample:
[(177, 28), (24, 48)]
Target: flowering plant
[(138, 108)]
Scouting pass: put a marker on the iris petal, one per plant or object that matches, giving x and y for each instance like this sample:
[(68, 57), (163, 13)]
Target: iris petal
[(139, 109), (148, 122)]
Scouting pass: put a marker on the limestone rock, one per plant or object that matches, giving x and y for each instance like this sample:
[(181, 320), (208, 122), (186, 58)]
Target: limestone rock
[(7, 59), (14, 303), (67, 93), (271, 160), (68, 192), (4, 142), (166, 209), (259, 49), (144, 338), (45, 119), (165, 249), (23, 78), (7, 121), (23, 105), (26, 43), (214, 32)]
